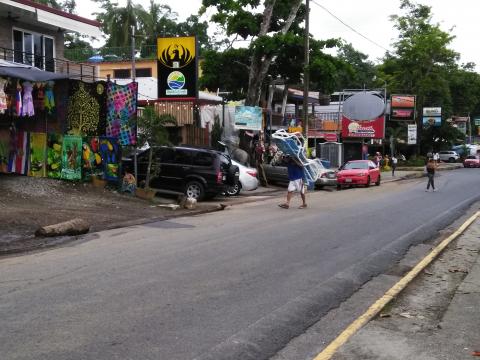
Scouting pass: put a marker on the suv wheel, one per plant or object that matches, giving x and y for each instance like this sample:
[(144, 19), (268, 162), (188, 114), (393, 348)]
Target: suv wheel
[(195, 190), (234, 190), (451, 160)]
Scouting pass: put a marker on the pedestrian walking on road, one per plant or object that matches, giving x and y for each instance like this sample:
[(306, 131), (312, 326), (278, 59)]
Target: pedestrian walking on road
[(431, 166), (394, 161), (296, 184)]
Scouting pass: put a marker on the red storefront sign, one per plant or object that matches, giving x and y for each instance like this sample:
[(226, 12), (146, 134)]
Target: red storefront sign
[(373, 129), (322, 135), (403, 101), (402, 113)]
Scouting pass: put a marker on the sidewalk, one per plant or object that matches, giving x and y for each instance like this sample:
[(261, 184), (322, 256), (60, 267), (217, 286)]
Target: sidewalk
[(437, 317)]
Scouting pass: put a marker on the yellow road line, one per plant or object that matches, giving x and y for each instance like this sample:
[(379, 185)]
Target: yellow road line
[(373, 310)]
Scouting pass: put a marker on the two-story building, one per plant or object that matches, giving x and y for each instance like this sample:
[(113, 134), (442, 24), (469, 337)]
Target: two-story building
[(33, 34)]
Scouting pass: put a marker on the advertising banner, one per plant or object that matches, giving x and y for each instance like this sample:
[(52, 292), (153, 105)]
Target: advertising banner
[(477, 121), (374, 129), (432, 111), (403, 101), (248, 118), (432, 121), (402, 107), (177, 67), (412, 134)]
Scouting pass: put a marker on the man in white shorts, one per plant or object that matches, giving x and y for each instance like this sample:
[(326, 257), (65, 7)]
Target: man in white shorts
[(296, 184)]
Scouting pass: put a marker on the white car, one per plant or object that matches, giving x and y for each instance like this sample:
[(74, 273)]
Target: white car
[(247, 181), (448, 156)]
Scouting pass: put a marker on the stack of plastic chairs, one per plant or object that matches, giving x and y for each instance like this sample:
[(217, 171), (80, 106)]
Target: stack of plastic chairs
[(293, 144)]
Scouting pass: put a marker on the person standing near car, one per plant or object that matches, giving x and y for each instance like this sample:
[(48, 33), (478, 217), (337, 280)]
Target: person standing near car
[(296, 183), (431, 167)]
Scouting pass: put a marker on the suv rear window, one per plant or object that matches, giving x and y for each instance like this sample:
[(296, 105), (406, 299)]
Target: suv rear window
[(202, 159)]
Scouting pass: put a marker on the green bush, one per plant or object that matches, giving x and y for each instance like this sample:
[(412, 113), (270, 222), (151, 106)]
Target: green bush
[(414, 161)]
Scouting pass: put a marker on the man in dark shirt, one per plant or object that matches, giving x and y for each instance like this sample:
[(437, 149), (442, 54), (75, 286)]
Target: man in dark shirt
[(296, 183)]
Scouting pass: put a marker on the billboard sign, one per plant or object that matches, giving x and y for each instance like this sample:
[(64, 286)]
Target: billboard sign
[(432, 111), (374, 129), (248, 118), (412, 134), (432, 121), (177, 67), (402, 107)]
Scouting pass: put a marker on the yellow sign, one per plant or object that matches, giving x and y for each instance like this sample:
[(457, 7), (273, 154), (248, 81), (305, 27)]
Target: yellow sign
[(176, 52), (295, 129)]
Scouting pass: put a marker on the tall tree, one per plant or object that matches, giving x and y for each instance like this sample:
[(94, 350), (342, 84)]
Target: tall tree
[(266, 23)]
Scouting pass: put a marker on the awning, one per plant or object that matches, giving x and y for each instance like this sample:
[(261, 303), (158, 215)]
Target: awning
[(27, 72)]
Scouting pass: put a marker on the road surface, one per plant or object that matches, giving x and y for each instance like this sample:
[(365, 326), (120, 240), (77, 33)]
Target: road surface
[(237, 284)]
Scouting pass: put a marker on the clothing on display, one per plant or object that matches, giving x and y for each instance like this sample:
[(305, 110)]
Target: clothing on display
[(27, 104), (49, 98), (18, 100), (3, 96)]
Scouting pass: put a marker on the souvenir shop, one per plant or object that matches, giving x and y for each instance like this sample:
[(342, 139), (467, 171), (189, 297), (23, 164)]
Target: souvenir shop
[(64, 128)]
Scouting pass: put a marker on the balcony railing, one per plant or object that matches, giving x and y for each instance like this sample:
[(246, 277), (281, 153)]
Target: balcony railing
[(111, 53), (75, 70)]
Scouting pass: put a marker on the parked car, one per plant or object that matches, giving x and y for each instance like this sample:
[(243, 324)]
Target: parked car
[(358, 172), (197, 173), (278, 173), (248, 180), (448, 156), (471, 161)]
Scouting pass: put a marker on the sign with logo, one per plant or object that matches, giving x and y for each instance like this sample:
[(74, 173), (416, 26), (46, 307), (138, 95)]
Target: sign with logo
[(332, 137), (374, 129), (177, 67), (248, 118), (432, 111), (412, 134), (432, 121), (402, 107), (295, 129), (403, 101)]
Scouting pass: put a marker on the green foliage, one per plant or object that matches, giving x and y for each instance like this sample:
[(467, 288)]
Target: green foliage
[(217, 131), (153, 127), (441, 138)]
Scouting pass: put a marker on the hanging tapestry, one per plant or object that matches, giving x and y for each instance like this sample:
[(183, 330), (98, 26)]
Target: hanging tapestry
[(4, 150), (122, 112), (83, 111), (19, 155), (111, 156), (59, 110), (92, 159), (54, 156), (38, 151), (72, 157)]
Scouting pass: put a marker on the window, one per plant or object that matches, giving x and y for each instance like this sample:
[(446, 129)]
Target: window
[(33, 49), (202, 159), (121, 73), (183, 157), (143, 72)]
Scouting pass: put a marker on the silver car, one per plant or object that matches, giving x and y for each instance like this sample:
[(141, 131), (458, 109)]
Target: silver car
[(279, 174)]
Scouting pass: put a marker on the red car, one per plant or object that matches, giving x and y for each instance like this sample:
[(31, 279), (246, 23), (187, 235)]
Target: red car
[(471, 161), (358, 172)]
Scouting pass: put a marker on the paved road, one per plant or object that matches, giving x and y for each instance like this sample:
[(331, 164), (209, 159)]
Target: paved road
[(236, 284)]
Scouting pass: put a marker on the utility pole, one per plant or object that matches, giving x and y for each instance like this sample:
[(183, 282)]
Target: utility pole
[(306, 72), (135, 168)]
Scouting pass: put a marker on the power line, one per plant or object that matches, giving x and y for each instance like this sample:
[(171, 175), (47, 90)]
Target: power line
[(348, 26)]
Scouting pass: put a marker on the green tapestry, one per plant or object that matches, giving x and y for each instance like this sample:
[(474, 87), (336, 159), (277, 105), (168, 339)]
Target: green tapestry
[(54, 156), (83, 112), (72, 157), (92, 159), (38, 152)]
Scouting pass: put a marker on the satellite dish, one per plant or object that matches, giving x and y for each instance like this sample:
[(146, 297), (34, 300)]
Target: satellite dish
[(366, 105)]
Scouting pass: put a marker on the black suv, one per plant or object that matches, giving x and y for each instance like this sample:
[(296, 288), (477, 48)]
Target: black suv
[(198, 173)]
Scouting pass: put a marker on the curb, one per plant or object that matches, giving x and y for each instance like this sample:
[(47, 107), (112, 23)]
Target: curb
[(392, 293)]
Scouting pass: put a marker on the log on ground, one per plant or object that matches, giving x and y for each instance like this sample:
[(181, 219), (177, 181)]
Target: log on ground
[(70, 227)]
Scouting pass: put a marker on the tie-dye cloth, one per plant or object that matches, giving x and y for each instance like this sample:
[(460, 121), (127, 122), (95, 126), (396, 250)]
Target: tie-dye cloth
[(54, 156), (38, 152), (122, 112), (72, 157)]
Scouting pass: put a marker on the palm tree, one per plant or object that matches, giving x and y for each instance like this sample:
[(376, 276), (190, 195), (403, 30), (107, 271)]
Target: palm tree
[(395, 134), (152, 129)]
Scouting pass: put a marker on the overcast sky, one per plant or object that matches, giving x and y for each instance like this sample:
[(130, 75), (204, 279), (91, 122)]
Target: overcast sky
[(368, 17)]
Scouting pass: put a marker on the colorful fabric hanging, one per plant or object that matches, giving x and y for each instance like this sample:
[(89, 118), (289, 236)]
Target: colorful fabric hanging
[(122, 112), (54, 156), (3, 96), (38, 151), (19, 158), (111, 156), (18, 100), (72, 157), (49, 98)]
